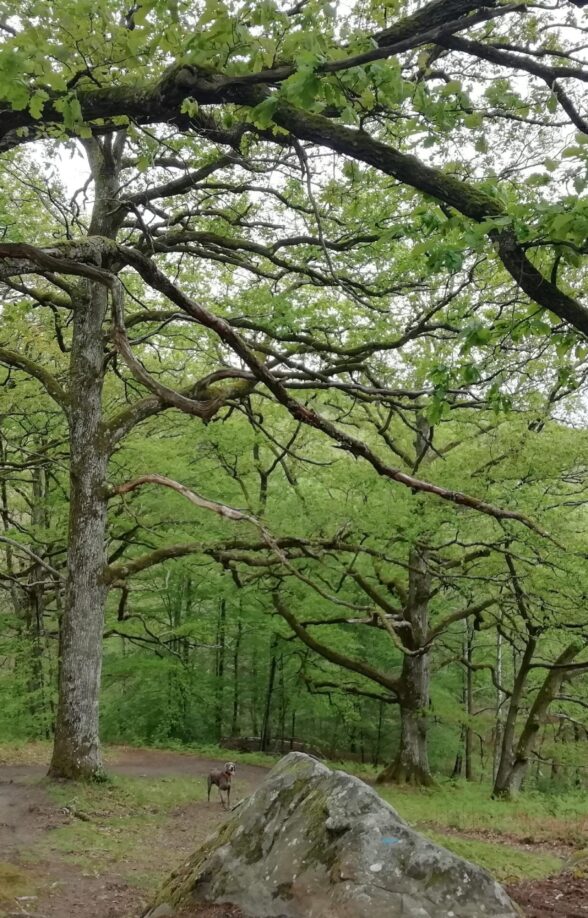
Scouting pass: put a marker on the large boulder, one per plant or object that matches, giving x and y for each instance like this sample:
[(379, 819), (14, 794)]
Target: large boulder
[(315, 843)]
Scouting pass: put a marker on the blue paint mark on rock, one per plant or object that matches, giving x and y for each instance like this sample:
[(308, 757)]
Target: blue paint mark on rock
[(390, 840)]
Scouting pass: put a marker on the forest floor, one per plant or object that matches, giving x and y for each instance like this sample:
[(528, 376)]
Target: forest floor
[(99, 851)]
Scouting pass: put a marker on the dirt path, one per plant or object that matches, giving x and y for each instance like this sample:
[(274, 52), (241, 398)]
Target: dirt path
[(50, 886)]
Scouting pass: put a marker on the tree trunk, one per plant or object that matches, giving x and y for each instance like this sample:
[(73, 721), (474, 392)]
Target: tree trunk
[(458, 764), (76, 752), (378, 745), (220, 667), (265, 729), (500, 698), (253, 706), (411, 765), (36, 611), (283, 705), (508, 783), (559, 737), (236, 694), (469, 703), (505, 761)]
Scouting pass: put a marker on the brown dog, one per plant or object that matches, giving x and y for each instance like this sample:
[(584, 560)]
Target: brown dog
[(222, 779)]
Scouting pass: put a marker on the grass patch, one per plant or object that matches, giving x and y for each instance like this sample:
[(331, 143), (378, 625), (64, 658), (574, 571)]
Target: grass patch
[(506, 863), (125, 794), (21, 752), (531, 819), (265, 760), (114, 823), (14, 881), (220, 754)]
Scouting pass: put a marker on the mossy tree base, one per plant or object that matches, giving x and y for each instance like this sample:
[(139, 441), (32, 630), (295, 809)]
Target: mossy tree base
[(403, 773)]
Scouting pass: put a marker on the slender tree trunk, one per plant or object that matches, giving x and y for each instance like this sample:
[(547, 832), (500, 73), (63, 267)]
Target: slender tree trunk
[(265, 729), (379, 734), (36, 611), (508, 783), (469, 703), (559, 737), (220, 667), (235, 717), (253, 708), (411, 765), (283, 705), (76, 752), (577, 738), (499, 728), (508, 733), (458, 764)]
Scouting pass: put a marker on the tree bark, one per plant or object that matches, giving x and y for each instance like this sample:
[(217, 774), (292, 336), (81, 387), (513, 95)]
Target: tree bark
[(469, 703), (500, 697), (265, 729), (35, 613), (220, 667), (378, 745), (76, 752), (411, 765), (505, 761), (508, 782), (236, 687)]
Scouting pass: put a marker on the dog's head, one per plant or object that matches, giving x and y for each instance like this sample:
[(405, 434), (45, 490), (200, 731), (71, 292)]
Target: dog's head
[(229, 768)]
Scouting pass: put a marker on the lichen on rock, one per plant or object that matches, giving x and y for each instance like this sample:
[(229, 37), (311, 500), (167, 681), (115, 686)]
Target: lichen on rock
[(315, 843)]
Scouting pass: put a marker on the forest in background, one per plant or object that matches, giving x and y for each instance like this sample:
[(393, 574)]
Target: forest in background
[(308, 415)]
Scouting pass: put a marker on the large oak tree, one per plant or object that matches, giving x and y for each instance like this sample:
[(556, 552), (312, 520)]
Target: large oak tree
[(234, 111)]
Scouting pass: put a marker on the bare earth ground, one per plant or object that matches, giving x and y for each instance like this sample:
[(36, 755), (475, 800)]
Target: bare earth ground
[(64, 890), (37, 881)]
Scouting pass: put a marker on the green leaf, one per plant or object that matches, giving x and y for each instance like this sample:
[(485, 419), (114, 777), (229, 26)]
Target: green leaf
[(189, 107), (37, 102), (569, 152), (561, 222), (262, 114), (302, 87), (473, 120), (71, 109), (453, 86)]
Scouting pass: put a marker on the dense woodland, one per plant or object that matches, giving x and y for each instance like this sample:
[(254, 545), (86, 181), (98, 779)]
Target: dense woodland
[(293, 418)]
